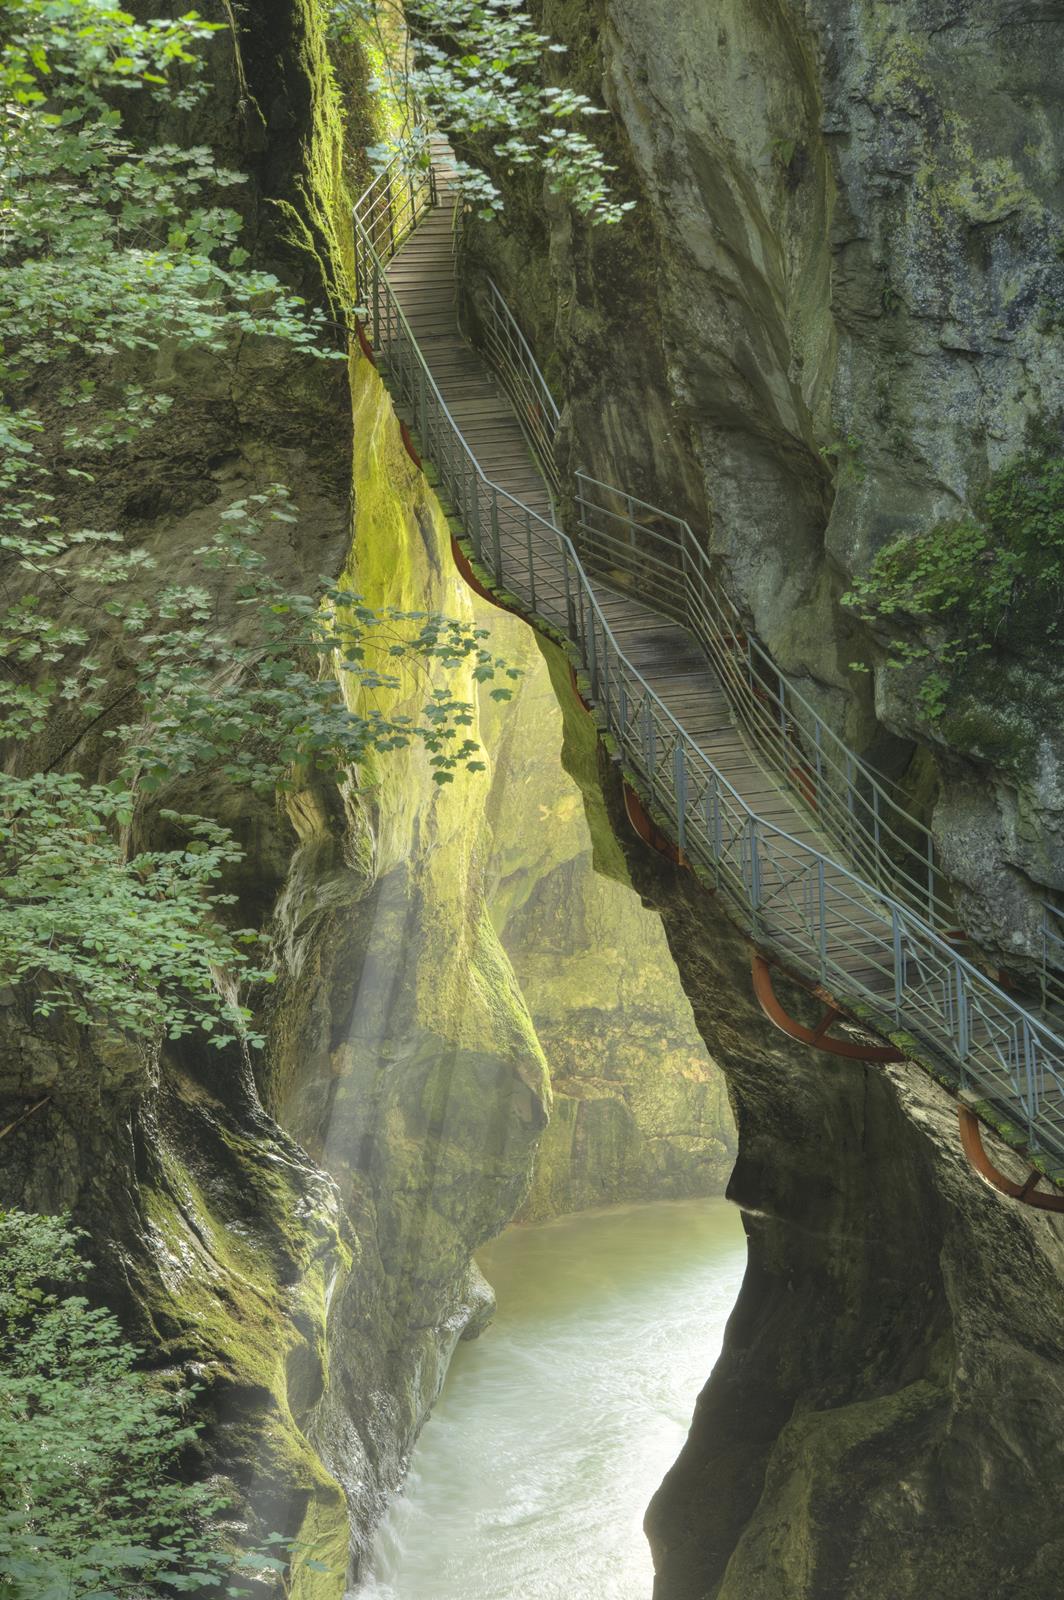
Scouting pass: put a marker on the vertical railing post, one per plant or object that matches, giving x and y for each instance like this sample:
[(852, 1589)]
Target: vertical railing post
[(899, 961), (570, 608), (962, 1020), (423, 411), (1031, 1081), (496, 539), (679, 778), (687, 578), (716, 829), (592, 653), (532, 565), (850, 807), (930, 880), (755, 868), (606, 674), (822, 918), (376, 304), (474, 477), (875, 835), (648, 738)]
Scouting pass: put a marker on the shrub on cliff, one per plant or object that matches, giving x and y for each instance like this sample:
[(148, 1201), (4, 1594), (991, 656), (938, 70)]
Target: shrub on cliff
[(990, 580), (91, 1507)]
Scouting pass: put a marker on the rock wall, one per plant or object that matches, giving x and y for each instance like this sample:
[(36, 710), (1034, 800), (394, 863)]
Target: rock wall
[(214, 1236), (640, 1109), (296, 1234), (882, 1421), (833, 313)]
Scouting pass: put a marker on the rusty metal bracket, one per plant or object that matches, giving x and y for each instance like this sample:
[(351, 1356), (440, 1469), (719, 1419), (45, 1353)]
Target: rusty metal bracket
[(975, 1150), (816, 1037)]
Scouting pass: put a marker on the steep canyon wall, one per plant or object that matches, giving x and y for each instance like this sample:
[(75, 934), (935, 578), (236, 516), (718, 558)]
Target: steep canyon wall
[(294, 1232), (831, 317), (882, 1422)]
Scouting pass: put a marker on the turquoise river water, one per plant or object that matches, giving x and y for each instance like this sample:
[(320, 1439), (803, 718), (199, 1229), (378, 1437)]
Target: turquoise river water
[(555, 1427)]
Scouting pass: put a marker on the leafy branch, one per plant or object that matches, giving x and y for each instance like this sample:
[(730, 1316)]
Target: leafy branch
[(474, 70), (108, 249), (91, 1507)]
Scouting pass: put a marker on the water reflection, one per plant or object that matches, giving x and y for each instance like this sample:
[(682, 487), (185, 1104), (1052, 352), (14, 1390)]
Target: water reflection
[(554, 1428)]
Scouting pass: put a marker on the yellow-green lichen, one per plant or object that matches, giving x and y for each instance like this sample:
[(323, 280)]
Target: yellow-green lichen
[(244, 1296)]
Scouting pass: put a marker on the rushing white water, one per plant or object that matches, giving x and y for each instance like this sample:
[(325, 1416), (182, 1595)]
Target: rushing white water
[(555, 1427)]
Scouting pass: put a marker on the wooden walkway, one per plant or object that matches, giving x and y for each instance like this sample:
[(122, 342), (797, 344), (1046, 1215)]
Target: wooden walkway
[(665, 654)]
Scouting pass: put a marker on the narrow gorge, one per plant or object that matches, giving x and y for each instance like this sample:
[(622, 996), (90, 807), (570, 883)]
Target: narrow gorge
[(502, 1005)]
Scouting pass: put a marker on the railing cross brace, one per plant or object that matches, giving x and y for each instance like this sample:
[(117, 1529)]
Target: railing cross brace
[(832, 1014)]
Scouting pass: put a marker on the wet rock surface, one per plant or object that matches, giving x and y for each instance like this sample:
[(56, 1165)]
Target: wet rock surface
[(639, 1107), (830, 318), (881, 1421), (842, 239)]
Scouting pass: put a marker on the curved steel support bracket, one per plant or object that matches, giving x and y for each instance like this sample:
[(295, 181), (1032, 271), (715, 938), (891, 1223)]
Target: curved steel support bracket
[(646, 828), (974, 1149), (816, 1037)]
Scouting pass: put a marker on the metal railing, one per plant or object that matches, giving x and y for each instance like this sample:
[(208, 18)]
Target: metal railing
[(508, 351), (629, 544), (1053, 958), (394, 203), (865, 946)]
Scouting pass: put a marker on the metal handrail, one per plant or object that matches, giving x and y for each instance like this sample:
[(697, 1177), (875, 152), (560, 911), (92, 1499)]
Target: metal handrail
[(843, 795), (856, 806), (812, 912), (510, 354), (393, 204), (674, 574)]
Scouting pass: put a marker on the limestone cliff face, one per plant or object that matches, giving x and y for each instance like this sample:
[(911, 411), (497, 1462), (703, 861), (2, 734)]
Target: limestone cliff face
[(403, 1057), (883, 1421), (830, 316), (640, 1110), (296, 1234), (215, 1237), (833, 313)]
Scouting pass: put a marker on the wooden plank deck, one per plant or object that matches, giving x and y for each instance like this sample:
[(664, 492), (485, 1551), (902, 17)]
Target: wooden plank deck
[(665, 654)]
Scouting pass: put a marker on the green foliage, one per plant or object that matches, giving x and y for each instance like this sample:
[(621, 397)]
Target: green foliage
[(267, 711), (976, 584), (845, 456), (130, 937), (106, 933), (108, 250), (90, 1504), (474, 69)]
